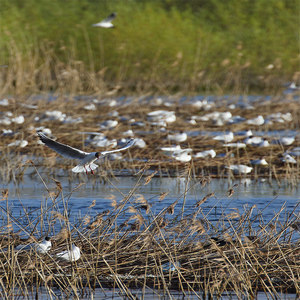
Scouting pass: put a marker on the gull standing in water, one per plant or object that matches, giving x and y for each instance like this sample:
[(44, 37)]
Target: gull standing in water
[(86, 159), (107, 22)]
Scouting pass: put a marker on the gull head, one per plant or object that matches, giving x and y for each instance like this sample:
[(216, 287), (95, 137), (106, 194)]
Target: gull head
[(97, 154)]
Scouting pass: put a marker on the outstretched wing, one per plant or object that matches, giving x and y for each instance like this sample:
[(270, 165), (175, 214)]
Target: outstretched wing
[(62, 149), (130, 143), (106, 23), (110, 17)]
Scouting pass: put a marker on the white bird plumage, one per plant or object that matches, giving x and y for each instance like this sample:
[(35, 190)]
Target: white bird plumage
[(107, 22), (240, 169), (225, 138), (72, 254), (178, 137), (86, 159), (259, 162), (42, 247)]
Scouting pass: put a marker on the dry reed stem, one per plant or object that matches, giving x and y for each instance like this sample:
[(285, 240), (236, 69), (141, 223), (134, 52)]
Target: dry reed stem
[(156, 160), (163, 250)]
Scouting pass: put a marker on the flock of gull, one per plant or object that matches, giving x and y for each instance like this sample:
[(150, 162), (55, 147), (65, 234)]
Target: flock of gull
[(159, 121), (175, 142)]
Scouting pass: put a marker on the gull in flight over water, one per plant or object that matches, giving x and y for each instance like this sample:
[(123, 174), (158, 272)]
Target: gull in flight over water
[(86, 159), (107, 22)]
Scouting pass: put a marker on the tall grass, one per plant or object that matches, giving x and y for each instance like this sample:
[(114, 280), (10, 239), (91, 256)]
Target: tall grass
[(158, 251), (156, 46)]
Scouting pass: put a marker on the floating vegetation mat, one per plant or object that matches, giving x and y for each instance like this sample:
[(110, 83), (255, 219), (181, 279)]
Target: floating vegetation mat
[(170, 133), (239, 253)]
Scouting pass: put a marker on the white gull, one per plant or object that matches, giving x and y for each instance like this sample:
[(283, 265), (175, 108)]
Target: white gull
[(178, 137), (182, 155), (42, 247), (206, 153), (256, 121), (72, 254), (240, 169), (257, 162), (107, 22), (225, 138), (86, 159), (287, 158)]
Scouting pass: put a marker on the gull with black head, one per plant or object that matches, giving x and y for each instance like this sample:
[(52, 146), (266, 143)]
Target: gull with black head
[(107, 22), (86, 159)]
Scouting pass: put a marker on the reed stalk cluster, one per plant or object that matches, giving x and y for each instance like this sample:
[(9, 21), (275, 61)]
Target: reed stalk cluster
[(131, 250)]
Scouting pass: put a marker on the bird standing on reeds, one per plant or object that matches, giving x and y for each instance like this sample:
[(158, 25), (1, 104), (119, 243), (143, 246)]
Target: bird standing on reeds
[(72, 254), (42, 247)]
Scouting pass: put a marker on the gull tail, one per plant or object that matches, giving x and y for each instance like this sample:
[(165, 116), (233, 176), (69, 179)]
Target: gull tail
[(86, 168)]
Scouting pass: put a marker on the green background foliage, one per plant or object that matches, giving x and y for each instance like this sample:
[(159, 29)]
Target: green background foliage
[(182, 45)]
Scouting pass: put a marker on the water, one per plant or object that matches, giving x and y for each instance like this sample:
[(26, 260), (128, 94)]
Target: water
[(268, 197), (149, 294)]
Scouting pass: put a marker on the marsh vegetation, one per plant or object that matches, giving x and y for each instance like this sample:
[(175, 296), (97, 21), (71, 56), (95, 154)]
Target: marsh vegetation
[(157, 46), (160, 251)]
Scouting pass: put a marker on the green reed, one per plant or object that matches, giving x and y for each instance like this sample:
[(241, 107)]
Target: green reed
[(156, 46)]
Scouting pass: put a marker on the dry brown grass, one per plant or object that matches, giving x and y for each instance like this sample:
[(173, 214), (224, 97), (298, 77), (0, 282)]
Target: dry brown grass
[(162, 251)]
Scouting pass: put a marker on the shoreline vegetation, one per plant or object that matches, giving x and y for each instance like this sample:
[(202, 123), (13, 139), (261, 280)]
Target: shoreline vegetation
[(93, 88), (156, 251), (157, 47), (96, 125)]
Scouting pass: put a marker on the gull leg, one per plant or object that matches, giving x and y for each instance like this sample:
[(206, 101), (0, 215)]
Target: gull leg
[(86, 172), (92, 172)]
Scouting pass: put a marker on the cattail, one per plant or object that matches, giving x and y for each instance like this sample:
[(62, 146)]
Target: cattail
[(63, 234), (132, 210), (93, 204), (4, 194), (58, 215), (163, 196), (204, 199), (171, 208), (197, 227), (86, 220), (140, 199), (233, 215), (230, 192), (148, 178), (114, 203), (95, 223), (145, 207), (58, 184)]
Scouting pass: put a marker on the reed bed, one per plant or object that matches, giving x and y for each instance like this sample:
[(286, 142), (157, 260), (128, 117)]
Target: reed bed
[(129, 248), (136, 158)]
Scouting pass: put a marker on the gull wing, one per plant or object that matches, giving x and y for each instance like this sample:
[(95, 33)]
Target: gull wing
[(64, 150), (130, 143), (107, 21), (110, 17)]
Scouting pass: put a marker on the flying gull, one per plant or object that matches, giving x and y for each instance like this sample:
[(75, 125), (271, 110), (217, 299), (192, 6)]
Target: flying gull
[(86, 159), (107, 22)]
